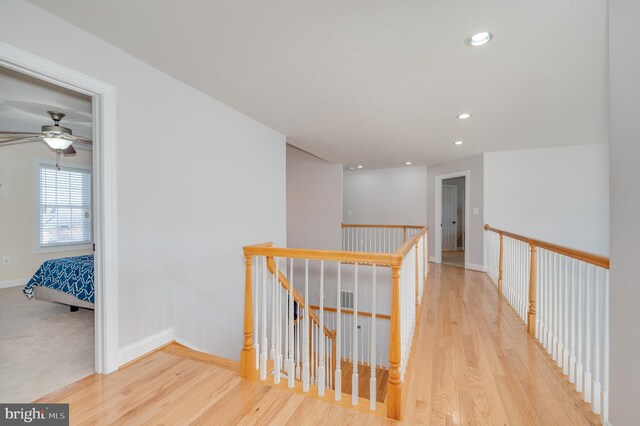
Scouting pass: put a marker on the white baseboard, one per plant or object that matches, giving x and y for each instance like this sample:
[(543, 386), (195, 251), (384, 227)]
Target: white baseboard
[(474, 267), (144, 346), (14, 283), (432, 259), (190, 346)]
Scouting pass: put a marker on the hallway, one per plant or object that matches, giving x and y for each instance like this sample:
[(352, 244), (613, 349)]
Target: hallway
[(475, 365)]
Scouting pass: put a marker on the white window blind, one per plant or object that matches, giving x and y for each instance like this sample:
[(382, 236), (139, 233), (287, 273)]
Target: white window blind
[(65, 206)]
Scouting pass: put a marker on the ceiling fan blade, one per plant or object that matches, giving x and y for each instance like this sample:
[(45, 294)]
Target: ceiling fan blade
[(69, 151), (83, 140), (4, 133), (18, 140)]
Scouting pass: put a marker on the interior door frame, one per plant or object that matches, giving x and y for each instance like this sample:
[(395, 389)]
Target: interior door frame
[(103, 97), (438, 214)]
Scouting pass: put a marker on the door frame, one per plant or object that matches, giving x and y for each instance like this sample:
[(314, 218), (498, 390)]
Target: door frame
[(438, 214), (103, 96)]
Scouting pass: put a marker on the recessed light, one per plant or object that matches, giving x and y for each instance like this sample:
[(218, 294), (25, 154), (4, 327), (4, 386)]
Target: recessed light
[(479, 39), (458, 143), (360, 167), (408, 163), (464, 116), (351, 168)]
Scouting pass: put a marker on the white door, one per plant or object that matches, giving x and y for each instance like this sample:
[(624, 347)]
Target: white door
[(449, 217)]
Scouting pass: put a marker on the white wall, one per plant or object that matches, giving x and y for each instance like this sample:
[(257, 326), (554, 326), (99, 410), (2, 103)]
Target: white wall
[(18, 210), (196, 181), (475, 186), (625, 204), (559, 195), (385, 196), (314, 201)]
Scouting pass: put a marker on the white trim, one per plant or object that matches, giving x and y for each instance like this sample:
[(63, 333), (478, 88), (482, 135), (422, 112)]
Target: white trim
[(190, 346), (146, 345), (432, 259), (104, 189), (475, 267), (438, 214), (37, 248), (20, 282)]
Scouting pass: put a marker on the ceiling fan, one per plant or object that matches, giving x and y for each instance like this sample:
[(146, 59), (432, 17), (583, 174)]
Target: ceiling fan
[(55, 136)]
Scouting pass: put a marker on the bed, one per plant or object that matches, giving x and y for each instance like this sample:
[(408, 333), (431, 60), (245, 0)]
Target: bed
[(68, 280)]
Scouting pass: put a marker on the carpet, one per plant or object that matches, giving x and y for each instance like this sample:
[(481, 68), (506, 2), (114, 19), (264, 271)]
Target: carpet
[(43, 346)]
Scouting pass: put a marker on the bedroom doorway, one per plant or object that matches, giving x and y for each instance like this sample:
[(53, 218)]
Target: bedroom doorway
[(452, 218), (99, 183), (47, 237)]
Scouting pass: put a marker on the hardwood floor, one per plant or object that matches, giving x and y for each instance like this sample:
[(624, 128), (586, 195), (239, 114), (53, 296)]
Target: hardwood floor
[(473, 363), (364, 375)]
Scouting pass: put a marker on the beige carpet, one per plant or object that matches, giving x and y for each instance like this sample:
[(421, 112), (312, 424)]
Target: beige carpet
[(43, 346)]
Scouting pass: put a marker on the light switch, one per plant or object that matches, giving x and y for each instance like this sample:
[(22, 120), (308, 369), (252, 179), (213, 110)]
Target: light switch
[(476, 210), (348, 212)]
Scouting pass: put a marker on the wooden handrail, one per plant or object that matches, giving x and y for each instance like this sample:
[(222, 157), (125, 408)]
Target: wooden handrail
[(404, 249), (594, 259), (350, 312), (354, 225), (381, 259)]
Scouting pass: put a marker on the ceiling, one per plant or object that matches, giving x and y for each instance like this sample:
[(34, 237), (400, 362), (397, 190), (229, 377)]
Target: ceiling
[(24, 102), (379, 82)]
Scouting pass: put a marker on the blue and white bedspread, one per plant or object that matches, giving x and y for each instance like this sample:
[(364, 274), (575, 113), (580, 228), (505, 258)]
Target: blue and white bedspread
[(72, 275)]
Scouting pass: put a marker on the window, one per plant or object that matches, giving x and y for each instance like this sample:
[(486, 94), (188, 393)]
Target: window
[(64, 206)]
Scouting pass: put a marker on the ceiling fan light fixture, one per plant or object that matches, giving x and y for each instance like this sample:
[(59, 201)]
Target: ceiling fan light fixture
[(58, 143)]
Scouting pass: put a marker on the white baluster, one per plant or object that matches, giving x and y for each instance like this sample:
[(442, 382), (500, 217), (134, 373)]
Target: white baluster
[(354, 359), (305, 330), (587, 339), (554, 281), (372, 363), (567, 311), (263, 353), (274, 283), (560, 312), (278, 358), (321, 372), (290, 357), (338, 373), (605, 351), (572, 357), (580, 333), (597, 407)]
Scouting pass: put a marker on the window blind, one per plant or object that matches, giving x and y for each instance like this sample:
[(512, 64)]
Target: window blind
[(65, 206)]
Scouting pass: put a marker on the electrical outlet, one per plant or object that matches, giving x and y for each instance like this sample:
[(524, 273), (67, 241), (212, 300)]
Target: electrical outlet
[(6, 260), (476, 210)]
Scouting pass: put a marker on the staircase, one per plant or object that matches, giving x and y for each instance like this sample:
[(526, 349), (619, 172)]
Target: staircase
[(286, 338)]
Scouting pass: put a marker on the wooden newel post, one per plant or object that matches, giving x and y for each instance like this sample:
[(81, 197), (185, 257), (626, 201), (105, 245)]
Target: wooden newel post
[(532, 291), (394, 390), (500, 266), (248, 354)]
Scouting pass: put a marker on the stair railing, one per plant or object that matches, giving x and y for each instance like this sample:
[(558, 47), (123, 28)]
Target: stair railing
[(291, 336), (562, 295), (376, 238)]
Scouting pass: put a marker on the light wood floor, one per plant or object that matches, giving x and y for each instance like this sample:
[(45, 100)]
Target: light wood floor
[(473, 363)]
